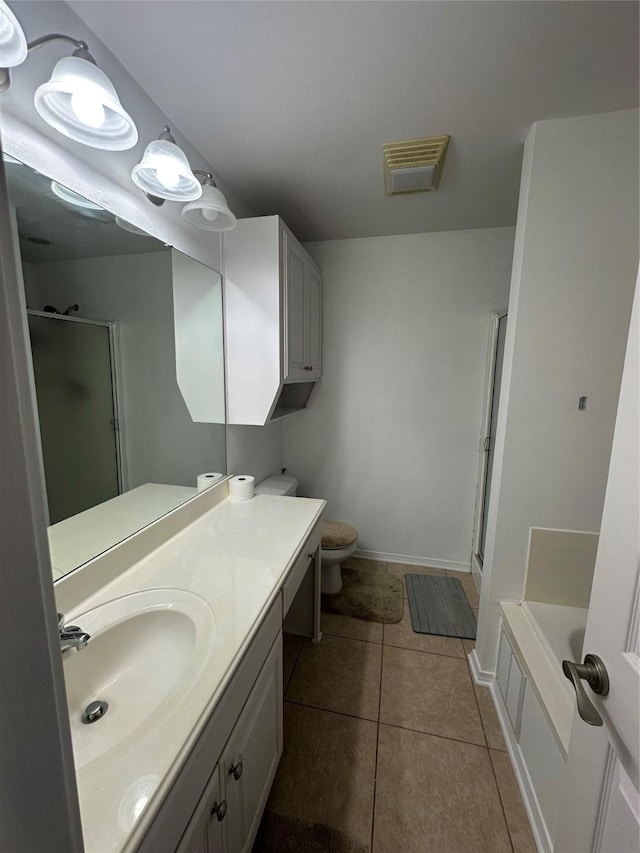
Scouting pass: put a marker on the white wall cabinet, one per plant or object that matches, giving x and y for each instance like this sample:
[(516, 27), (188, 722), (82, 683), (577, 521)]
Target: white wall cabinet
[(273, 317)]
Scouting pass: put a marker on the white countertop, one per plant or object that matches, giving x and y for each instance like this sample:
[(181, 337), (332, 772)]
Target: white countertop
[(235, 557)]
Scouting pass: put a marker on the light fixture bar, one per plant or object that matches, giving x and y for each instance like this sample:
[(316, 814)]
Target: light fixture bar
[(82, 50)]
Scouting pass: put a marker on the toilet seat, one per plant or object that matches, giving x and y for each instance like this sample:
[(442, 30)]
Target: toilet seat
[(337, 535)]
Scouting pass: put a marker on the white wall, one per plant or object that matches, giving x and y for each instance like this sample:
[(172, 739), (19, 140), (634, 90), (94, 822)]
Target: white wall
[(162, 443), (575, 264), (255, 450), (392, 439)]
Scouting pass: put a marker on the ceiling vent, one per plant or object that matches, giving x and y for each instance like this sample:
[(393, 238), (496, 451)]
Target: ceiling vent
[(415, 165)]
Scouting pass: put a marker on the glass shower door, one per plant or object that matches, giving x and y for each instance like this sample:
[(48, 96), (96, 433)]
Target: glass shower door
[(74, 388)]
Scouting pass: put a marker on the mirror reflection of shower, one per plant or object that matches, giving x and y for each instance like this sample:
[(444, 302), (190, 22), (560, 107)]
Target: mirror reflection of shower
[(73, 363)]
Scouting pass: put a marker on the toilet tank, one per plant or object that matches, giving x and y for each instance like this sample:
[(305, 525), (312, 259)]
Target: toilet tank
[(278, 484)]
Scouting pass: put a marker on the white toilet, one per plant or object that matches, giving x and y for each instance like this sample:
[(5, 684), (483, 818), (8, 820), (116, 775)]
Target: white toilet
[(339, 539)]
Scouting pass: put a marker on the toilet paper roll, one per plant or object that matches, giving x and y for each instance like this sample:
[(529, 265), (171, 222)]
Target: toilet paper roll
[(241, 488), (208, 479)]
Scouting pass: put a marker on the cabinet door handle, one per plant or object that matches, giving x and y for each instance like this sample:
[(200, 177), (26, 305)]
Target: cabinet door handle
[(311, 555), (219, 809), (236, 770)]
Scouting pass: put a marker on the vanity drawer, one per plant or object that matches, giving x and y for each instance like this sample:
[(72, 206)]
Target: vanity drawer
[(309, 552)]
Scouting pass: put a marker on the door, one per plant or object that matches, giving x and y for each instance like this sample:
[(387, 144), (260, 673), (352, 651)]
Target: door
[(313, 321), (486, 462), (72, 362), (602, 814), (205, 833), (294, 332)]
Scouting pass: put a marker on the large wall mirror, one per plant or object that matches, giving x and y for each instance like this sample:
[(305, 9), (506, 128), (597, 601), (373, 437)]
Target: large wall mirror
[(127, 344)]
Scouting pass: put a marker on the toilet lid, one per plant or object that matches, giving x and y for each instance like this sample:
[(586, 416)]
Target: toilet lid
[(337, 534)]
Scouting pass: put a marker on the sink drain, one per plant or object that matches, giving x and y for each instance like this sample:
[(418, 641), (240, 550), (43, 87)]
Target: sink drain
[(94, 711)]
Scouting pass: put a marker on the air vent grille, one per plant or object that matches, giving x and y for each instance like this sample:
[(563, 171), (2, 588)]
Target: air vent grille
[(415, 165)]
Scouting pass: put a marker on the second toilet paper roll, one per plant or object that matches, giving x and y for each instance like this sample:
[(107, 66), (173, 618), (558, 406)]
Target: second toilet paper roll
[(241, 488), (208, 479)]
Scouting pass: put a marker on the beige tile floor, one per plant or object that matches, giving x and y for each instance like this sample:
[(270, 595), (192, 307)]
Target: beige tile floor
[(388, 740)]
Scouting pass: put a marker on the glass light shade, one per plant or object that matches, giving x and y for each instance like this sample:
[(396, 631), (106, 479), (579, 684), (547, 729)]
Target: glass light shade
[(130, 227), (72, 197), (164, 172), (80, 101), (210, 212), (13, 44)]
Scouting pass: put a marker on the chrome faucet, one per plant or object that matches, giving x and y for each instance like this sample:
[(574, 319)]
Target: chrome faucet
[(71, 636)]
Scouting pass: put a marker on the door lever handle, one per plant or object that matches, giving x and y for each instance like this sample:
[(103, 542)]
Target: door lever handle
[(594, 672)]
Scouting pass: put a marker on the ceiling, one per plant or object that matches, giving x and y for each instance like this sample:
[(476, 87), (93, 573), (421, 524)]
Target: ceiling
[(291, 102)]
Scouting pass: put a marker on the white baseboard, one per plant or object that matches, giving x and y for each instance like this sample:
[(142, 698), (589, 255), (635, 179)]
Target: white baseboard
[(529, 798), (480, 676), (415, 561)]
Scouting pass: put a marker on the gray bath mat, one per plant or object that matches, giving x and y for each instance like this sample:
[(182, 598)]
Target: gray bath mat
[(367, 595), (438, 605)]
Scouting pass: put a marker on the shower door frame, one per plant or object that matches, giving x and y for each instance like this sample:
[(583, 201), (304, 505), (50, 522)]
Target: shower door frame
[(114, 360), (490, 394)]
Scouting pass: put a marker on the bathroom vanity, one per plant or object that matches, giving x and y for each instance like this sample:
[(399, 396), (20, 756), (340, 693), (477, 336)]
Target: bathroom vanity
[(186, 620)]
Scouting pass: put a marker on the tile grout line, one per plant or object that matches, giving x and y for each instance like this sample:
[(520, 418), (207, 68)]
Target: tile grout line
[(293, 669), (396, 646), (425, 652), (357, 639), (391, 725), (475, 698), (504, 811), (375, 770), (433, 734)]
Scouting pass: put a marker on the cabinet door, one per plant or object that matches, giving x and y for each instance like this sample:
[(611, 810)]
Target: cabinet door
[(313, 323), (294, 328), (252, 754), (205, 832)]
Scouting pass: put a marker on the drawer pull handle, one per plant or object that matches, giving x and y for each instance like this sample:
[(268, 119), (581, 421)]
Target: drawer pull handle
[(236, 770), (220, 810)]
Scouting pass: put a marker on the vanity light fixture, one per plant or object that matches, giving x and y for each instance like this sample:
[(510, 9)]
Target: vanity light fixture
[(164, 172), (13, 45), (130, 227), (71, 197), (211, 211), (79, 100)]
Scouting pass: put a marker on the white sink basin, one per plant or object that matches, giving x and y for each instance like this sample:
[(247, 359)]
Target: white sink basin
[(146, 652)]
